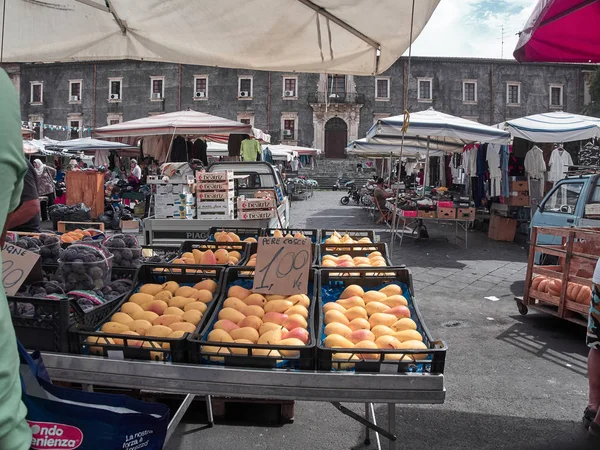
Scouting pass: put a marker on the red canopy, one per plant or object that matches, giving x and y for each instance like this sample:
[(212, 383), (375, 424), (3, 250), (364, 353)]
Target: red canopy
[(561, 31)]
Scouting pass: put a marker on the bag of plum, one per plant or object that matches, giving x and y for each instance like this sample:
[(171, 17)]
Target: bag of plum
[(85, 267), (125, 249)]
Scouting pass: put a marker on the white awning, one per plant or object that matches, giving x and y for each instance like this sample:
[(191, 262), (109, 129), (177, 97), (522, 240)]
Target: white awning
[(361, 37), (434, 124), (366, 149), (554, 127)]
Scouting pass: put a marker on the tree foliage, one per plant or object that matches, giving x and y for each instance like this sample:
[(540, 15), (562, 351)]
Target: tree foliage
[(593, 108)]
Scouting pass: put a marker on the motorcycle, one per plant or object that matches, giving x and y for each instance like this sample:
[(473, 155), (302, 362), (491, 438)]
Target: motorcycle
[(353, 194), (339, 184)]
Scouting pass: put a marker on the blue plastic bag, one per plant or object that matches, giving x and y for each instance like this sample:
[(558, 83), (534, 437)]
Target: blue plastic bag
[(67, 419)]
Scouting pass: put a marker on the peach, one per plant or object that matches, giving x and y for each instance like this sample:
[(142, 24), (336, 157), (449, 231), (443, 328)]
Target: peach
[(274, 317), (226, 325), (295, 321)]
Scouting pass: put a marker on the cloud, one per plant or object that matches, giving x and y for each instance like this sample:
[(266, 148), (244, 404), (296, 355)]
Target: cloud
[(473, 28)]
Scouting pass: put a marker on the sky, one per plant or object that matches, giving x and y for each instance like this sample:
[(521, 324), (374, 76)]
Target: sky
[(473, 28)]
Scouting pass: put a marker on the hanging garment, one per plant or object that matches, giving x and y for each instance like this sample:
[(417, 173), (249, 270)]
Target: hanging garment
[(589, 155), (250, 149), (479, 189), (560, 160), (535, 167), (234, 143), (449, 169), (200, 151), (189, 150), (267, 156), (179, 150), (504, 157), (471, 164), (493, 160)]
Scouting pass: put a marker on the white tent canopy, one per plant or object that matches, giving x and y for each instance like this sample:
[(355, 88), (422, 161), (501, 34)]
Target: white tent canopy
[(187, 123), (360, 37), (365, 149), (88, 144), (434, 124), (216, 149), (294, 148), (554, 127)]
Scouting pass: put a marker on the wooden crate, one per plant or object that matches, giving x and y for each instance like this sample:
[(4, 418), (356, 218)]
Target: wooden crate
[(87, 188), (63, 226), (567, 251)]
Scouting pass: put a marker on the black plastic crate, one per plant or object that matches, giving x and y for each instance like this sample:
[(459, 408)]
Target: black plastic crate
[(314, 248), (242, 232), (353, 250), (354, 234), (313, 234), (332, 282), (152, 348), (240, 247), (159, 254), (303, 360)]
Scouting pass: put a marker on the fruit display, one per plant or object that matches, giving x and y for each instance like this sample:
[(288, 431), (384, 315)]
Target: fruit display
[(373, 259), (229, 236), (166, 311), (78, 235), (125, 249), (258, 325), (369, 325), (210, 253), (235, 234), (313, 235), (84, 266), (337, 238), (30, 243), (576, 292)]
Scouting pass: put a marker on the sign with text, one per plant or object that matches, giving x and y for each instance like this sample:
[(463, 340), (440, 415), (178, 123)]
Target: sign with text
[(19, 265), (282, 265)]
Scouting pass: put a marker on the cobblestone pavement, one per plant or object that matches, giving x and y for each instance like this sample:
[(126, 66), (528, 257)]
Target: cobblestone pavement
[(513, 382)]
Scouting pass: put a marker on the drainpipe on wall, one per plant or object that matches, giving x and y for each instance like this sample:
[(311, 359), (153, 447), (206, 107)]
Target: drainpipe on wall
[(269, 102), (179, 90), (491, 94), (94, 110)]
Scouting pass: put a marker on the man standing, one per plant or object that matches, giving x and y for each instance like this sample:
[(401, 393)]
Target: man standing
[(27, 216), (14, 430)]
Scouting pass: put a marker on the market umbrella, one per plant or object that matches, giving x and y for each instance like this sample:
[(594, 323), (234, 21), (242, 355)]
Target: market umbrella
[(554, 127), (561, 31), (374, 149), (359, 37), (186, 123), (89, 144), (259, 134)]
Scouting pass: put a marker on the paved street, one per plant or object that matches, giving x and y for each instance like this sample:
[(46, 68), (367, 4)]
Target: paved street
[(513, 382)]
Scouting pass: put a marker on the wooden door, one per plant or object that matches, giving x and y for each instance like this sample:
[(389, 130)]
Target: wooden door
[(336, 138)]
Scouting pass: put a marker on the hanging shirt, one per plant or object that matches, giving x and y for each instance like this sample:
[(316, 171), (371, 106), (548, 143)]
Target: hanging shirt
[(535, 166), (250, 149), (493, 160), (504, 157), (560, 160)]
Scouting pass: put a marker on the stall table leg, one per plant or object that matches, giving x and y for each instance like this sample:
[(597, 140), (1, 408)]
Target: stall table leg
[(174, 422), (392, 426)]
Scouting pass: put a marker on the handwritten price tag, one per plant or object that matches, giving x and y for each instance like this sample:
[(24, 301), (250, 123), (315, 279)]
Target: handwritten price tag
[(17, 266), (282, 266)]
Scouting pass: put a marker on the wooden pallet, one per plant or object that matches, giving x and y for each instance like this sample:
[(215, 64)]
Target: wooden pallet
[(63, 226)]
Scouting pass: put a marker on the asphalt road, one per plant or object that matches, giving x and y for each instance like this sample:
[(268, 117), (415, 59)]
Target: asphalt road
[(513, 382)]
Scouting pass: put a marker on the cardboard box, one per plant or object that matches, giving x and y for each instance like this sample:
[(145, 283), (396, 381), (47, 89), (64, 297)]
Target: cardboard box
[(214, 176), (423, 214), (215, 205), (186, 200), (214, 186), (518, 200), (129, 226), (216, 215), (519, 186), (255, 203), (446, 213), (502, 228), (256, 215), (223, 195), (465, 214), (184, 212)]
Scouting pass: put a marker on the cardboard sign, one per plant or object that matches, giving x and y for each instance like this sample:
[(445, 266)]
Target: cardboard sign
[(282, 265), (19, 265)]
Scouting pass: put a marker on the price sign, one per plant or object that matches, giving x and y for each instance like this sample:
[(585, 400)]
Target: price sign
[(19, 265), (282, 265)]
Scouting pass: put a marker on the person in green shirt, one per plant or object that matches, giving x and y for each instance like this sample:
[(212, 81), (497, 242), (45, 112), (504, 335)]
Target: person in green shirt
[(14, 430)]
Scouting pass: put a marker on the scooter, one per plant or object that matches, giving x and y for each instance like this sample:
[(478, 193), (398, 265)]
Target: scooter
[(339, 184), (353, 194)]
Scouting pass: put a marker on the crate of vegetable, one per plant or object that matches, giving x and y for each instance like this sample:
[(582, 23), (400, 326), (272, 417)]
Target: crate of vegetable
[(154, 321), (368, 321), (252, 330)]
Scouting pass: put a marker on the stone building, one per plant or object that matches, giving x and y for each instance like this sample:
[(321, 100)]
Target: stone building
[(323, 111)]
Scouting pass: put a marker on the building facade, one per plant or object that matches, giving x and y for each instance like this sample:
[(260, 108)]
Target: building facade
[(66, 100)]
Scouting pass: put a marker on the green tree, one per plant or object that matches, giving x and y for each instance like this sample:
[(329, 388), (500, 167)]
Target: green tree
[(593, 108)]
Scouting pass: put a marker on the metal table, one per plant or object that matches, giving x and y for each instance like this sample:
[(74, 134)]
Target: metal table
[(334, 387), (411, 224)]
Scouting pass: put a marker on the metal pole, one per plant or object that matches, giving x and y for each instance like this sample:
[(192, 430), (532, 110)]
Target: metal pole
[(392, 425), (426, 173)]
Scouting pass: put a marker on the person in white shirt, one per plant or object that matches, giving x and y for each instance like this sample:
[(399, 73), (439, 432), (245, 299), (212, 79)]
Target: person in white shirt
[(535, 166), (136, 170), (591, 418)]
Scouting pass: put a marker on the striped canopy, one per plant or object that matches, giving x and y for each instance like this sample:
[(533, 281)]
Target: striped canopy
[(365, 149), (554, 127), (436, 125)]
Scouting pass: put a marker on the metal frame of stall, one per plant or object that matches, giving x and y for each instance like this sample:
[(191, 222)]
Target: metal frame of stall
[(280, 384)]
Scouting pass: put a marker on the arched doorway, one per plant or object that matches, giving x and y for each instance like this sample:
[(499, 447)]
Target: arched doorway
[(336, 138)]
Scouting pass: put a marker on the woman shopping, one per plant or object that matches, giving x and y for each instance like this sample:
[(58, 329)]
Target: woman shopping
[(45, 180)]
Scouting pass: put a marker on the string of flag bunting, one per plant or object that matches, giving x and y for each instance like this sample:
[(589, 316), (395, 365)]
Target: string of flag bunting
[(46, 126)]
